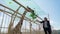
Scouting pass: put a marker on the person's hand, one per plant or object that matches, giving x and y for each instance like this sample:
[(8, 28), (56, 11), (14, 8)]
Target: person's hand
[(37, 20)]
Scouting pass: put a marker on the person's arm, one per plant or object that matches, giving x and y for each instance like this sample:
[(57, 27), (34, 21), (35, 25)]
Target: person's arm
[(40, 21)]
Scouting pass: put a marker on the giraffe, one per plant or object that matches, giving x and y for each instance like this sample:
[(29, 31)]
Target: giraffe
[(12, 21), (17, 29)]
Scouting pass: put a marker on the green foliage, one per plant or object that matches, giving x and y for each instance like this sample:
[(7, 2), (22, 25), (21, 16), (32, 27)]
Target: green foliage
[(33, 15), (10, 2)]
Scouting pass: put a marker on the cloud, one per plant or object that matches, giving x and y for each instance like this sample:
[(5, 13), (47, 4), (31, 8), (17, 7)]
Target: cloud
[(54, 25), (0, 17), (56, 28)]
